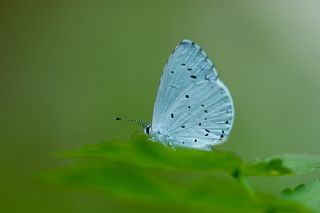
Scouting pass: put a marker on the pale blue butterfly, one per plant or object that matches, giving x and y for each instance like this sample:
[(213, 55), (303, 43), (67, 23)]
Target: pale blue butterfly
[(193, 108)]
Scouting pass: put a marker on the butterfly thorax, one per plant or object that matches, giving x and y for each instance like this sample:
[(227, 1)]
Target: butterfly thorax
[(156, 135)]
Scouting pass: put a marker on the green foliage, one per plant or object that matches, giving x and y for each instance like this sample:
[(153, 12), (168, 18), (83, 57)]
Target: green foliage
[(300, 164), (284, 165), (184, 179), (308, 194)]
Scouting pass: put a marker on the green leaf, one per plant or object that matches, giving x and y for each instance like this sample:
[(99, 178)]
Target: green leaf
[(183, 179), (176, 189), (300, 164), (286, 164), (144, 153), (306, 194), (181, 190), (272, 167)]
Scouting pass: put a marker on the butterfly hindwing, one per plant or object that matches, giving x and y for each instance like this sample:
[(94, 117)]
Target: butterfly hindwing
[(203, 115)]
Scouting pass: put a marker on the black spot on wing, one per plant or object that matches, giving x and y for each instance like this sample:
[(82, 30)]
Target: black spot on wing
[(193, 76), (172, 115)]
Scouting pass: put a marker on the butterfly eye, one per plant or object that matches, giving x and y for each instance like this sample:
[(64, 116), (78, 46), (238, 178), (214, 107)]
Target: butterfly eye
[(147, 129)]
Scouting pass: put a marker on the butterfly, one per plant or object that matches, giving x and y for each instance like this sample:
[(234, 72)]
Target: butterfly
[(193, 108)]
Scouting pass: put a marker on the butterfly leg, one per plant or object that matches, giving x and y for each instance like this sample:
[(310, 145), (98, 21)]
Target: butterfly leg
[(170, 144), (151, 139)]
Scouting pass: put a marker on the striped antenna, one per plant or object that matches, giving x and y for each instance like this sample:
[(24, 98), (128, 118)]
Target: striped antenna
[(142, 123)]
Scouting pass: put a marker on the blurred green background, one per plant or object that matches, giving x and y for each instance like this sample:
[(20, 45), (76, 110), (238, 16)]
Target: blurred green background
[(68, 67)]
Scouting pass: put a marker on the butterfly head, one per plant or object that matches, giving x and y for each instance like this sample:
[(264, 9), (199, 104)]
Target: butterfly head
[(147, 129)]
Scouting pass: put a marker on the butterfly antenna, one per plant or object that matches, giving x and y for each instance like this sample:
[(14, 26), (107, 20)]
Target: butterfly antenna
[(142, 123)]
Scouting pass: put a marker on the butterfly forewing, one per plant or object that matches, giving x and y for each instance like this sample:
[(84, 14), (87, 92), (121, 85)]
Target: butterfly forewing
[(187, 65)]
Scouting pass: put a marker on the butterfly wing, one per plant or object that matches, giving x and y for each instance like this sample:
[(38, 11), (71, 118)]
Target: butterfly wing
[(187, 65), (203, 116), (193, 107)]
